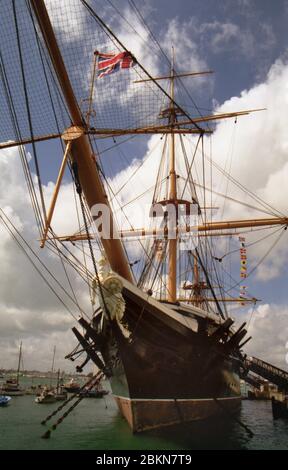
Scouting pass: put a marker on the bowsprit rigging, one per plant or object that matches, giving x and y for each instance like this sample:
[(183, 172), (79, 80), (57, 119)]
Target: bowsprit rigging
[(160, 330)]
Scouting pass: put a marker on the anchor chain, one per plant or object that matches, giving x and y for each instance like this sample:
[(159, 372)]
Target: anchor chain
[(91, 383)]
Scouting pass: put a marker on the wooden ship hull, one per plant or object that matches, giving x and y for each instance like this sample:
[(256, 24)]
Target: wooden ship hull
[(173, 370)]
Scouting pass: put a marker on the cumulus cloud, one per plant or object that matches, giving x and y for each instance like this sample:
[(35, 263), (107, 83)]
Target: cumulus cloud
[(261, 135), (258, 159), (229, 36), (29, 311), (66, 19), (37, 349), (269, 330), (184, 41)]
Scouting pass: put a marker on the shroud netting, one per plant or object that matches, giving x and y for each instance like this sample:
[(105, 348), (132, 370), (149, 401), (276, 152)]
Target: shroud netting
[(118, 102), (42, 116)]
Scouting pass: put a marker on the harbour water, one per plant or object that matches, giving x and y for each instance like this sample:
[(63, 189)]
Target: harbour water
[(96, 424)]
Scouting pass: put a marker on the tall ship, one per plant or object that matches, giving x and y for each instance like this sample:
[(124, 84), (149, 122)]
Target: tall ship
[(155, 310)]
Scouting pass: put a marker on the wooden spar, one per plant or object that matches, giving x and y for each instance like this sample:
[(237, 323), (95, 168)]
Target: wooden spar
[(165, 129), (76, 237), (81, 150), (91, 90), (73, 238), (148, 130), (41, 138), (209, 226), (228, 299), (55, 194), (172, 249), (215, 117), (175, 126), (106, 133), (189, 74), (242, 224), (172, 128)]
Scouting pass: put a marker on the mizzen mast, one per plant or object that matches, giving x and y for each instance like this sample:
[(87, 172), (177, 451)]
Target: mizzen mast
[(81, 150)]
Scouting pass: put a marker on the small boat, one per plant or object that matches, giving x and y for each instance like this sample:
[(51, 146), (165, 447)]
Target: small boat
[(34, 390), (47, 396), (60, 394), (4, 400), (51, 395), (279, 408), (72, 386), (11, 386), (94, 393)]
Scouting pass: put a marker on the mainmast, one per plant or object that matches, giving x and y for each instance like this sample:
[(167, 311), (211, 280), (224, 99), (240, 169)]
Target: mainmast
[(173, 199), (80, 148), (172, 253)]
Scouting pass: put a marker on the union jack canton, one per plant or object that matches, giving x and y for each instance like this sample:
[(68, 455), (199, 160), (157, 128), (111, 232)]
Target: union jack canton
[(110, 63)]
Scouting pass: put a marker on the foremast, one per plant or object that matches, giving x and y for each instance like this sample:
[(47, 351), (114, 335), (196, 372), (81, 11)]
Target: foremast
[(80, 149)]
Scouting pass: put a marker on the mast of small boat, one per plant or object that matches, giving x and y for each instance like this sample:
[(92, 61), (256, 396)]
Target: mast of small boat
[(52, 368), (19, 363), (58, 381), (80, 149)]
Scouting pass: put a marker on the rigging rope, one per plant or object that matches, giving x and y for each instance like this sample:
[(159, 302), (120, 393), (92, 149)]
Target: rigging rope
[(154, 39), (3, 218), (132, 27), (273, 211), (261, 260), (248, 245), (112, 35), (79, 192), (208, 282), (23, 156), (29, 116), (142, 162)]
